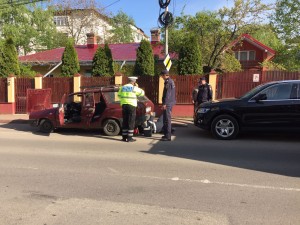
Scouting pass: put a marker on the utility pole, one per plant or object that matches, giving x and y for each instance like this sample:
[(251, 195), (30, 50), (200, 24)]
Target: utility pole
[(166, 35)]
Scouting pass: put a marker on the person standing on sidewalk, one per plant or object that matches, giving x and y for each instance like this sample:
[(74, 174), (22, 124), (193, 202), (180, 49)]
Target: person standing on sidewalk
[(205, 92), (128, 98), (168, 101)]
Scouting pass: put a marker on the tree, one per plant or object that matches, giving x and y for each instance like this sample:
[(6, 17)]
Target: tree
[(286, 20), (144, 64), (31, 26), (122, 28), (189, 59), (216, 30), (103, 62), (9, 63), (287, 55), (70, 63), (110, 61), (229, 63)]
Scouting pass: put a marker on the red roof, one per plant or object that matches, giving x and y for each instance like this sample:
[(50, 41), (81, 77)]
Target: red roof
[(120, 52), (254, 41)]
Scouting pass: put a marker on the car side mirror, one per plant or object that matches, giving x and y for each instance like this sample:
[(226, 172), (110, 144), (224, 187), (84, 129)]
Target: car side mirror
[(260, 97)]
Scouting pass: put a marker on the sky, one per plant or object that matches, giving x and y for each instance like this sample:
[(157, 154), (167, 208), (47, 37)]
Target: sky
[(145, 12)]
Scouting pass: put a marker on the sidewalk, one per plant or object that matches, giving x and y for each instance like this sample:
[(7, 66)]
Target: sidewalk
[(14, 118)]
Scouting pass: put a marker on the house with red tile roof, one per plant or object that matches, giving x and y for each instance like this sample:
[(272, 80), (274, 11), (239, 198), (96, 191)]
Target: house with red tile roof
[(125, 53), (251, 52)]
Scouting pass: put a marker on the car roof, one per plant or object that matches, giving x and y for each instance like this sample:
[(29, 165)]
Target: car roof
[(284, 81)]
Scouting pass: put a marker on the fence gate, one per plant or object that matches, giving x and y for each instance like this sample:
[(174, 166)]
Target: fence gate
[(21, 86)]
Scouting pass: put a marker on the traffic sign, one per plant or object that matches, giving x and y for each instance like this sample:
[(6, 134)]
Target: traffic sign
[(168, 62)]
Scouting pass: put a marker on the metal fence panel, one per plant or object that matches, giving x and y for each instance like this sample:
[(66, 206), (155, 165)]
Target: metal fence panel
[(230, 85), (59, 86), (3, 89), (185, 85)]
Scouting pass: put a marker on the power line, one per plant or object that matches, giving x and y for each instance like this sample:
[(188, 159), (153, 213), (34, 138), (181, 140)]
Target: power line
[(18, 3)]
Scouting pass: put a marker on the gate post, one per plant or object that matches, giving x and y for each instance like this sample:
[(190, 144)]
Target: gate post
[(11, 95), (38, 81), (76, 86), (161, 84), (118, 78), (213, 82)]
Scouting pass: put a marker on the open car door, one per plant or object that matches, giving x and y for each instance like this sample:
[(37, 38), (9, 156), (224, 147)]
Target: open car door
[(88, 108), (61, 110)]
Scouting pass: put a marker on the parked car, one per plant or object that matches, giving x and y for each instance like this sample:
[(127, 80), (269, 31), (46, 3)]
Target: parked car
[(269, 106), (93, 108)]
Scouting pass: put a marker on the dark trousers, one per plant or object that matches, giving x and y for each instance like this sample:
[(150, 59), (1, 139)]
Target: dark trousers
[(129, 114), (167, 128)]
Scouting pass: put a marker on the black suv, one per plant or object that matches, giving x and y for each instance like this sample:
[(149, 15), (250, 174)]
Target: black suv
[(272, 105)]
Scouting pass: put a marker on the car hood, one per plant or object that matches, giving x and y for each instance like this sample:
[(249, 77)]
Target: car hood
[(42, 113), (220, 102)]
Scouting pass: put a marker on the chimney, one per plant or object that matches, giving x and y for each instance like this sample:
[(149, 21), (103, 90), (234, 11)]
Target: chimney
[(91, 40), (155, 35)]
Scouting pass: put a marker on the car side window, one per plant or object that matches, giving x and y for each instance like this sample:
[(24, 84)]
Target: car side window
[(295, 91), (278, 92)]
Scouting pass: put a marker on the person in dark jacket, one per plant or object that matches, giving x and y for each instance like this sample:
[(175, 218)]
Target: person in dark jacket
[(205, 92), (168, 101)]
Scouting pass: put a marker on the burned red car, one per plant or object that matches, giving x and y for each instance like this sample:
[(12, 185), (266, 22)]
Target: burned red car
[(93, 108)]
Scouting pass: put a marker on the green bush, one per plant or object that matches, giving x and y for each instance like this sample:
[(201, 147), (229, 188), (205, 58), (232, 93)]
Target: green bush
[(190, 60), (9, 62), (70, 63), (103, 64), (144, 64)]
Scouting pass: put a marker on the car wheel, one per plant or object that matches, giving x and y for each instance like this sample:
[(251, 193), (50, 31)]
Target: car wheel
[(46, 126), (225, 127), (111, 128)]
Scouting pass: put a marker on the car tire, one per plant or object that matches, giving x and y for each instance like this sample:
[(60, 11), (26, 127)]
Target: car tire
[(225, 127), (111, 128), (46, 126)]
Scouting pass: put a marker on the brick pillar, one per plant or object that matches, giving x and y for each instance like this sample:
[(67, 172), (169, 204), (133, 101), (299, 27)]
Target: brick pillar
[(11, 95), (161, 85), (38, 81), (76, 86), (118, 78), (213, 82)]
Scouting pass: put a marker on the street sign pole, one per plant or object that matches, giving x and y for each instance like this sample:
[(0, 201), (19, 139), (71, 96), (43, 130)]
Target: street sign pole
[(166, 35)]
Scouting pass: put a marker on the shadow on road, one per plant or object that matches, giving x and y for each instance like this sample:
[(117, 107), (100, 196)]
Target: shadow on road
[(272, 153)]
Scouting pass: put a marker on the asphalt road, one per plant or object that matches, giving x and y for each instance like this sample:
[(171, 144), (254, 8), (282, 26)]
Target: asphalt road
[(78, 178)]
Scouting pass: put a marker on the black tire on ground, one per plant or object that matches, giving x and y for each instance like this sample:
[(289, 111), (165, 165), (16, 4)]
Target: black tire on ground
[(46, 126), (225, 127), (111, 128)]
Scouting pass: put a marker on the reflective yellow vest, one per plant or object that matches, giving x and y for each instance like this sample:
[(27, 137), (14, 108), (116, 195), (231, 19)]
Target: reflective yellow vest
[(128, 94)]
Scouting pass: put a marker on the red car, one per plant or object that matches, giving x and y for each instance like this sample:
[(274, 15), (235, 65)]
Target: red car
[(93, 108)]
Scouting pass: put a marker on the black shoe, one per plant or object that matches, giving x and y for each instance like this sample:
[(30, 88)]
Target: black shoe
[(131, 140), (164, 136), (165, 139), (124, 139)]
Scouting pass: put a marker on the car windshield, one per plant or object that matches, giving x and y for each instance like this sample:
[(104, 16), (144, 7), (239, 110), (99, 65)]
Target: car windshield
[(112, 97), (253, 91)]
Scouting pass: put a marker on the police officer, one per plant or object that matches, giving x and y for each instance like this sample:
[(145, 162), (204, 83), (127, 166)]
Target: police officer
[(128, 98), (204, 92), (168, 101), (195, 94)]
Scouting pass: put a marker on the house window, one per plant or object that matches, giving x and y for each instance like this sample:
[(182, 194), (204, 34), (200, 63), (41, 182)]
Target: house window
[(88, 73), (245, 55), (60, 20)]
